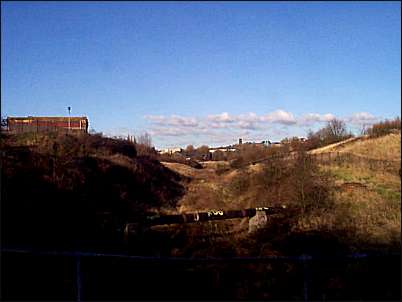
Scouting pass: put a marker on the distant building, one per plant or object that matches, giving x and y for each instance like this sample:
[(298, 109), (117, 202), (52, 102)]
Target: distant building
[(170, 150), (263, 143), (222, 149), (46, 124)]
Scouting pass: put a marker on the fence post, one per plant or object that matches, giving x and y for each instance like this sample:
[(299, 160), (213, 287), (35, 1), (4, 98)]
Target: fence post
[(78, 277), (306, 276)]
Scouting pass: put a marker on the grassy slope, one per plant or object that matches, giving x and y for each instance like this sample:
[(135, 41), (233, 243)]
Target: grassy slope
[(368, 199), (365, 212), (335, 146), (384, 148)]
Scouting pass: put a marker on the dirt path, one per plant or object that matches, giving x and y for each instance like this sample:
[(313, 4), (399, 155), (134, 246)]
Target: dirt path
[(336, 145)]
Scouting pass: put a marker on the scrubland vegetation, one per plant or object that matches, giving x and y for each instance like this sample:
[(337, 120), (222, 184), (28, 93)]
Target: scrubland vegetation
[(78, 191), (384, 128)]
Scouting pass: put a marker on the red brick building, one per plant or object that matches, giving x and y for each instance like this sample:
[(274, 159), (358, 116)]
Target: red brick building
[(44, 124)]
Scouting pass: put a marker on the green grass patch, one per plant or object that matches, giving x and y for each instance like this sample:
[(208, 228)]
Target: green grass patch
[(388, 194), (341, 174)]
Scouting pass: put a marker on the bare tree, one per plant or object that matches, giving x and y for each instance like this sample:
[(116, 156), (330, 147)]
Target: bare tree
[(145, 139), (333, 132), (190, 150), (143, 144), (204, 149), (218, 155), (202, 152), (336, 129)]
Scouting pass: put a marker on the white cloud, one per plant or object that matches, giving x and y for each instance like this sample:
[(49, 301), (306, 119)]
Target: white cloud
[(249, 117), (218, 125), (173, 120), (361, 118), (155, 118), (224, 117), (311, 118), (280, 117), (226, 127), (160, 132), (247, 125)]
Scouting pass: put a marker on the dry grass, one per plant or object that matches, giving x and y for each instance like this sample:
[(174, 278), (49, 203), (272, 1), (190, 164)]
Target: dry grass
[(362, 212), (335, 146), (367, 208), (204, 192), (364, 217), (369, 178), (215, 164), (383, 148), (182, 169)]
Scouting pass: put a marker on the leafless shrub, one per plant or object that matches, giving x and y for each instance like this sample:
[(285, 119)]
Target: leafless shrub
[(219, 155), (293, 143), (384, 127), (311, 189), (202, 153), (240, 183), (143, 144), (221, 168), (333, 132), (144, 139), (251, 153), (190, 150), (297, 182)]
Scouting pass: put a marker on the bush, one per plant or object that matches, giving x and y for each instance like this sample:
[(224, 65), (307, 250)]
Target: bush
[(297, 182), (57, 191), (73, 145), (311, 190), (384, 128), (250, 153), (143, 144), (221, 168), (240, 183), (180, 159), (335, 131), (110, 145), (219, 156)]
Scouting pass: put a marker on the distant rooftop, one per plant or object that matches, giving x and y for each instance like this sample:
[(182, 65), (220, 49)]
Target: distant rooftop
[(48, 118)]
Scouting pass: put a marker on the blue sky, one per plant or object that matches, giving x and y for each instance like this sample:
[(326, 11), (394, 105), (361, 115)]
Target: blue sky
[(203, 72)]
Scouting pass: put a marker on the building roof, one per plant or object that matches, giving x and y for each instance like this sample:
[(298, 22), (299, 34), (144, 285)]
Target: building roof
[(50, 118)]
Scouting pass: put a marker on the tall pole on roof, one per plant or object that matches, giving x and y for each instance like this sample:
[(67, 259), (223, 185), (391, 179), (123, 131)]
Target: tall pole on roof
[(69, 109)]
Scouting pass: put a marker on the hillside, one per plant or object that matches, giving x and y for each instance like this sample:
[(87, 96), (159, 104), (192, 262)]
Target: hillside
[(368, 194), (78, 190), (335, 146), (383, 148), (84, 187), (387, 147), (353, 201)]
